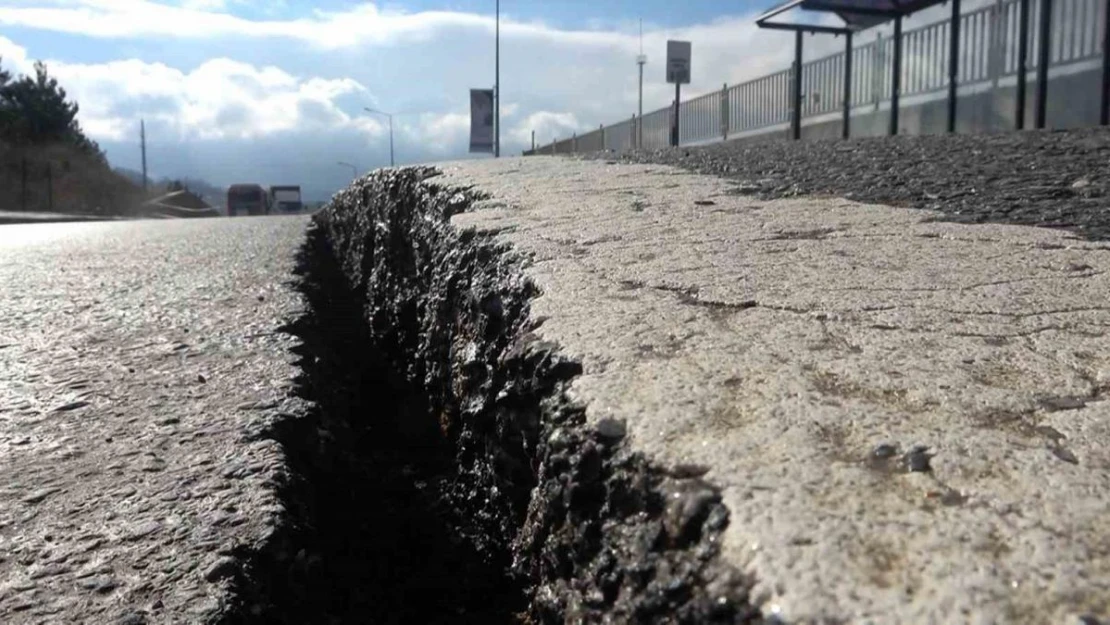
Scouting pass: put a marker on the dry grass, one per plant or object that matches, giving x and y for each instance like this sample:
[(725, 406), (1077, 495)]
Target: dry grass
[(58, 178)]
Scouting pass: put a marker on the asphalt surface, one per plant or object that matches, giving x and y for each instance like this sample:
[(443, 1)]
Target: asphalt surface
[(29, 217), (1042, 178), (906, 417), (140, 361)]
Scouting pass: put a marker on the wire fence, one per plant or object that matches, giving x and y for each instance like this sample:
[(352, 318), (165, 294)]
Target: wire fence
[(988, 43), (30, 185)]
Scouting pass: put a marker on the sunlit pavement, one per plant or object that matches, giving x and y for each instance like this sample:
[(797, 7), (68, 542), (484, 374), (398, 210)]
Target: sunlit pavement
[(906, 417), (138, 359)]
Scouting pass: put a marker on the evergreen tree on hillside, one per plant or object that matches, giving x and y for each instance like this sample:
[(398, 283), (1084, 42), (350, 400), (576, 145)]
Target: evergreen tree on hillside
[(34, 110), (7, 113)]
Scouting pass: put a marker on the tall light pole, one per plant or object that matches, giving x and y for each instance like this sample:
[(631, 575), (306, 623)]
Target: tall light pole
[(354, 170), (142, 139), (390, 116), (641, 59), (497, 81)]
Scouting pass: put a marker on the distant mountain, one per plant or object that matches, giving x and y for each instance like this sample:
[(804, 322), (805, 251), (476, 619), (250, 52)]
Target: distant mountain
[(213, 195)]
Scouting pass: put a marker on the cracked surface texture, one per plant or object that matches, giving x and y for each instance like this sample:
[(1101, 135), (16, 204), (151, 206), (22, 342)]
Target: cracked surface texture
[(140, 360), (803, 350)]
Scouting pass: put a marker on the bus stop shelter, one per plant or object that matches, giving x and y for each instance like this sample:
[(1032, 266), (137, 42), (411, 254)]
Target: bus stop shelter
[(846, 17)]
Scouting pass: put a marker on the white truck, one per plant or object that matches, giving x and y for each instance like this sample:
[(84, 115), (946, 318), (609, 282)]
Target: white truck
[(286, 198)]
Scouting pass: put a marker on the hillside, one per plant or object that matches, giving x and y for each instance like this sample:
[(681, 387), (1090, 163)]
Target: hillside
[(46, 161), (62, 178)]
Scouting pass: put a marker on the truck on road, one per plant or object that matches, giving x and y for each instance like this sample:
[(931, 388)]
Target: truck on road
[(287, 198), (247, 199)]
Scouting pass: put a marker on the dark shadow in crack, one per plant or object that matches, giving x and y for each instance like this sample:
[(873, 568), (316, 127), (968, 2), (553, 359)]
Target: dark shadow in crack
[(368, 536)]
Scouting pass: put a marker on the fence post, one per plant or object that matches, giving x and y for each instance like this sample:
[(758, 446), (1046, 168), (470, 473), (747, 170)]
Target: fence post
[(796, 89), (533, 140), (846, 124), (1044, 48), (878, 70), (670, 123), (601, 129), (954, 63), (896, 76), (574, 143), (49, 187), (996, 42), (1104, 101), (1022, 69), (23, 183), (676, 132), (724, 112)]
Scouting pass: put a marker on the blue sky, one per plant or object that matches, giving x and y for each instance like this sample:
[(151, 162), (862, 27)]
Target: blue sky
[(273, 92)]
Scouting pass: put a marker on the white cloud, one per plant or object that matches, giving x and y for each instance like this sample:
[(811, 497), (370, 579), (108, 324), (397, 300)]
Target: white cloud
[(218, 99), (14, 57), (365, 23), (204, 19), (438, 135), (204, 5), (547, 126)]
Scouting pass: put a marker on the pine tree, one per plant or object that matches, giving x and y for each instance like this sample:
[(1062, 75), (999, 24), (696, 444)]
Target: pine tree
[(7, 111), (36, 111), (44, 114)]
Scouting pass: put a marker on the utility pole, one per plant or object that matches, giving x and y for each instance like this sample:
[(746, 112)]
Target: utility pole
[(497, 82), (641, 59), (142, 141)]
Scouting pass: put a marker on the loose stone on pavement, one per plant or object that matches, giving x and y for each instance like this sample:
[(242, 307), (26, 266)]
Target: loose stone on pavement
[(906, 416)]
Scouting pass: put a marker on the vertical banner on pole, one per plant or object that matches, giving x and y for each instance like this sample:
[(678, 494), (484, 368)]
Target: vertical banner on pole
[(481, 120)]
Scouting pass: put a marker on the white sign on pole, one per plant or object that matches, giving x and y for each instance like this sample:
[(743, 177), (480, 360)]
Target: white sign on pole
[(481, 120), (678, 62)]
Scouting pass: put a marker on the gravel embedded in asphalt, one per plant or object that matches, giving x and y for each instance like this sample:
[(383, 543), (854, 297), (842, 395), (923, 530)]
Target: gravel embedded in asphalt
[(903, 415), (1041, 178), (140, 362)]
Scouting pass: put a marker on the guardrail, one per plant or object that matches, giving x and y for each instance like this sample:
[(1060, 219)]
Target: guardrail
[(989, 53)]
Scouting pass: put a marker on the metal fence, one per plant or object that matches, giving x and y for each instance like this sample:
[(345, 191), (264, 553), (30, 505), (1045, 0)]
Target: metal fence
[(988, 41)]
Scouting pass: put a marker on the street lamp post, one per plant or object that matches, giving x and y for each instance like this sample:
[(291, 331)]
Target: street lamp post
[(640, 60), (390, 116), (354, 170)]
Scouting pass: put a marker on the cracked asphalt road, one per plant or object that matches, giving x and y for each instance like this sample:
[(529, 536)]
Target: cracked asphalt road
[(907, 417), (138, 362)]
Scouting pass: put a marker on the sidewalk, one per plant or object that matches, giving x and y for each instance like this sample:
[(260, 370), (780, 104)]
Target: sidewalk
[(906, 416)]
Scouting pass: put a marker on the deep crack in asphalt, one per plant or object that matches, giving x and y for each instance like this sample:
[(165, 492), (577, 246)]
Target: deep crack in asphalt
[(369, 536), (444, 475)]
